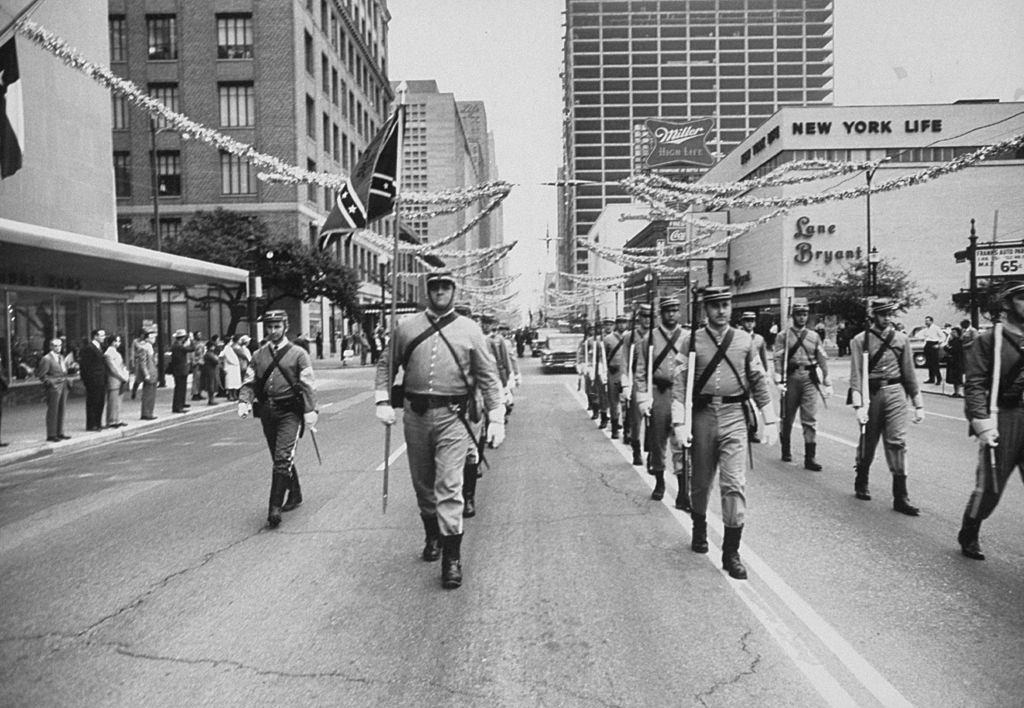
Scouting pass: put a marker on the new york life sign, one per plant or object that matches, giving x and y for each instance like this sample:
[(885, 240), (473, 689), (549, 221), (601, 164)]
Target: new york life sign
[(680, 143)]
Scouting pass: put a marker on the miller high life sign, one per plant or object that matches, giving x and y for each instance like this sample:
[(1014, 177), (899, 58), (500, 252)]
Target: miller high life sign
[(680, 143)]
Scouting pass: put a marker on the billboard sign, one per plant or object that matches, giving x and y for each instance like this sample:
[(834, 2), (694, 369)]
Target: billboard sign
[(680, 143)]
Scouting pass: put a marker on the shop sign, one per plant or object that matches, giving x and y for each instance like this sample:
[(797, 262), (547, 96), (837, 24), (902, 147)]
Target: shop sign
[(1007, 260), (806, 252), (867, 127), (29, 280), (680, 143)]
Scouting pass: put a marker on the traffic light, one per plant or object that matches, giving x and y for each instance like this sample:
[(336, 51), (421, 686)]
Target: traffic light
[(962, 256)]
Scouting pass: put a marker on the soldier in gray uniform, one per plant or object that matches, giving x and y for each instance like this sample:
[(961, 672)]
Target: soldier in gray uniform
[(656, 404), (634, 340), (444, 358), (799, 353), (727, 373), (1004, 437), (278, 387), (891, 381), (615, 355)]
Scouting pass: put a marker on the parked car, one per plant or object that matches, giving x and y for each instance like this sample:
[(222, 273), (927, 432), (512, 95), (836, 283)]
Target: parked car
[(559, 353), (540, 341)]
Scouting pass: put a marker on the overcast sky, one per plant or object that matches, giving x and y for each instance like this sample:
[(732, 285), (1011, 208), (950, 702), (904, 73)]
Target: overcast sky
[(508, 54)]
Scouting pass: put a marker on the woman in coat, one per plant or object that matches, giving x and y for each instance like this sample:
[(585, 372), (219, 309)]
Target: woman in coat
[(954, 347), (232, 369), (117, 380), (211, 368)]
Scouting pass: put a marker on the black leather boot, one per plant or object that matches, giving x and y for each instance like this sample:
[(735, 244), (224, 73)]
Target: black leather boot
[(469, 490), (860, 483), (968, 538), (659, 486), (294, 492), (809, 462), (900, 500), (278, 486), (731, 553), (615, 430), (683, 495), (604, 421), (637, 457), (699, 542), (451, 561), (787, 456), (432, 543)]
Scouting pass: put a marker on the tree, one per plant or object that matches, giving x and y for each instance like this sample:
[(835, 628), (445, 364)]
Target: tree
[(843, 294), (289, 267)]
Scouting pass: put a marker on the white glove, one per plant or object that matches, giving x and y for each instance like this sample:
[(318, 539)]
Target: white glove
[(918, 415), (829, 391), (385, 413), (782, 389), (644, 403), (244, 409), (626, 394), (507, 398), (682, 439), (862, 415), (519, 380), (310, 419), (495, 434), (989, 438), (770, 433)]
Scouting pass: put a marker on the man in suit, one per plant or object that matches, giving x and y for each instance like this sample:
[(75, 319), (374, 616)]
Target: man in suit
[(94, 376), (53, 372), (180, 350)]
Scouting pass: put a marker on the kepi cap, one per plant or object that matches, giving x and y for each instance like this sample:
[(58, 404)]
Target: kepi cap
[(668, 303), (607, 321), (1011, 288), (621, 318), (748, 316), (644, 309), (440, 276), (274, 316), (799, 308), (883, 305), (716, 294)]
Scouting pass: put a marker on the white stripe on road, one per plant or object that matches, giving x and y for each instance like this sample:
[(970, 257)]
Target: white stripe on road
[(14, 534), (394, 456), (827, 685)]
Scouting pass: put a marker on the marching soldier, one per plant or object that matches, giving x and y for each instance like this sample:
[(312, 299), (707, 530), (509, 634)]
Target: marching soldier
[(502, 358), (445, 358), (799, 353), (633, 340), (1002, 439), (615, 355), (278, 386), (727, 373), (659, 352), (471, 469), (890, 382), (585, 366)]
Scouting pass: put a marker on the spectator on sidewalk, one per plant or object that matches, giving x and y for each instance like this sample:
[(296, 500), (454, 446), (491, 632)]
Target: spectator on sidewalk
[(933, 340), (181, 348), (94, 377), (52, 370), (117, 380), (232, 369), (133, 359), (146, 369), (954, 347), (211, 368), (198, 384), (244, 355), (319, 345)]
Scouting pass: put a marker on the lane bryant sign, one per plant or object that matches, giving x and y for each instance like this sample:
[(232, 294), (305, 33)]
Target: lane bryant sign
[(806, 253)]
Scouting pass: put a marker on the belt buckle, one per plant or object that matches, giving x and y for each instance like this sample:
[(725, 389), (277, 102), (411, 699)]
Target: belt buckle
[(717, 400)]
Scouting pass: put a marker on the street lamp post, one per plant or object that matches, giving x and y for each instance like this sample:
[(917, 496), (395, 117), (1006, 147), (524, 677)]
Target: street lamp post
[(873, 259), (161, 381), (383, 261), (870, 279)]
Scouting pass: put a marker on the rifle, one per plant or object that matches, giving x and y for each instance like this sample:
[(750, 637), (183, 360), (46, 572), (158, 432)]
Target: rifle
[(865, 398), (691, 365), (993, 403)]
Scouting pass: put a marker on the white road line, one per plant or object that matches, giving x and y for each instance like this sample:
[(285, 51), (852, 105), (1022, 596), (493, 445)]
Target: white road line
[(52, 518), (836, 438), (394, 456), (804, 657)]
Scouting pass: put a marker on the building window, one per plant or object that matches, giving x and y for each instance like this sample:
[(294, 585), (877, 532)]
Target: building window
[(237, 105), (334, 86), (122, 174), (119, 110), (235, 175), (325, 75), (334, 31), (310, 68), (310, 117), (118, 39), (168, 173), (311, 186), (169, 229), (234, 36), (163, 42), (326, 128), (167, 94), (334, 142)]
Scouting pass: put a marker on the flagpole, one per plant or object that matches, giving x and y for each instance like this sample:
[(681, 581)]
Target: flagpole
[(392, 344)]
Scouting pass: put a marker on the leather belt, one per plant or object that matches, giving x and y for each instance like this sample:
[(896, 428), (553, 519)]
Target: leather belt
[(798, 367), (425, 402), (705, 400)]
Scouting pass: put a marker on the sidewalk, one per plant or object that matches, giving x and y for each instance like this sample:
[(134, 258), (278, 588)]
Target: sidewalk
[(24, 424)]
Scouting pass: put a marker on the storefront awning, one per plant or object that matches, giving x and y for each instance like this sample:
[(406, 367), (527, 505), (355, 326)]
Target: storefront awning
[(37, 256)]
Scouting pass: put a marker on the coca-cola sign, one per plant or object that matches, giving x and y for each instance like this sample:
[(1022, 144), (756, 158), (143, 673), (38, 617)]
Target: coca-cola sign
[(680, 143)]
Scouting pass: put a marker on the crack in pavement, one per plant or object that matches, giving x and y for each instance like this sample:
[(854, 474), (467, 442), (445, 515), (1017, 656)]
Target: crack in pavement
[(701, 698)]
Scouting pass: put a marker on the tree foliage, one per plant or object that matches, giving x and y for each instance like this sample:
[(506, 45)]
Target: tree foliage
[(290, 268), (844, 294)]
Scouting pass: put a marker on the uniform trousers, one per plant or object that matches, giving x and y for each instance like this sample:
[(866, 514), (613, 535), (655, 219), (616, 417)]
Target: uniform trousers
[(600, 392), (989, 483), (634, 420), (281, 428), (887, 418), (720, 445), (659, 429), (56, 404), (614, 407), (436, 443), (802, 395)]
